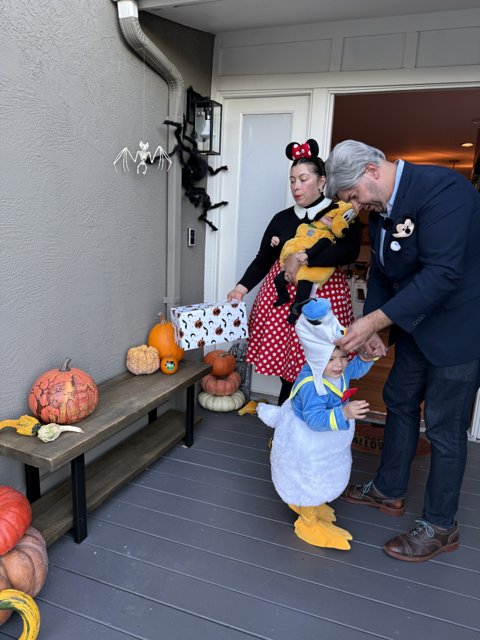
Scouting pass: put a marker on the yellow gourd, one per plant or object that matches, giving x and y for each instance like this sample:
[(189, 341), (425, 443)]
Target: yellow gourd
[(24, 605)]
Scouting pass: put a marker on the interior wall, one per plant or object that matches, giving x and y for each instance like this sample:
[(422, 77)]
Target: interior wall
[(83, 259)]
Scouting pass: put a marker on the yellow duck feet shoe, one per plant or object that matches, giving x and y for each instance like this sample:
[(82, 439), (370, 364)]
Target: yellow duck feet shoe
[(250, 407), (318, 532), (325, 512)]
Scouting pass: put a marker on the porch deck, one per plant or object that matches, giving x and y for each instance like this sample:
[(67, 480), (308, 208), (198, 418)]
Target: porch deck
[(200, 546)]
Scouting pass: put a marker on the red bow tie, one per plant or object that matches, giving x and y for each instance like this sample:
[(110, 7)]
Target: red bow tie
[(349, 393)]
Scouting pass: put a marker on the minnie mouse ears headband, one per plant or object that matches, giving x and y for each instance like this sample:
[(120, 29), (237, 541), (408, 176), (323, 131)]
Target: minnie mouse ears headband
[(308, 149)]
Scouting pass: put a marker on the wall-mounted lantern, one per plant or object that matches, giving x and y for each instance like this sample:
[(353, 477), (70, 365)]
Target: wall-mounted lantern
[(206, 117)]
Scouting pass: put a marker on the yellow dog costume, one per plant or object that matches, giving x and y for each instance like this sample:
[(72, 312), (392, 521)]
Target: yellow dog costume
[(308, 234)]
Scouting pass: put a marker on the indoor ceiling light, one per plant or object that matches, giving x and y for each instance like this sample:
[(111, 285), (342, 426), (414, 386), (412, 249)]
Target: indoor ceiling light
[(467, 144)]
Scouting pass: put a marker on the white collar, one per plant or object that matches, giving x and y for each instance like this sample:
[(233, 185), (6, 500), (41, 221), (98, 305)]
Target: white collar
[(311, 212)]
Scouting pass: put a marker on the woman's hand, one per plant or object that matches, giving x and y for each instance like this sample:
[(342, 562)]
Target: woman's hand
[(293, 264), (237, 293)]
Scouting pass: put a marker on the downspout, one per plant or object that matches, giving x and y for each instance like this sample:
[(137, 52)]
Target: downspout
[(146, 49)]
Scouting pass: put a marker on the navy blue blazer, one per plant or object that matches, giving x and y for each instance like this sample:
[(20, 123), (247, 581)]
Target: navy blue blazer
[(429, 284)]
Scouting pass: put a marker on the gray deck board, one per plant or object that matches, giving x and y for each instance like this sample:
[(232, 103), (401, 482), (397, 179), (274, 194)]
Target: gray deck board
[(200, 546)]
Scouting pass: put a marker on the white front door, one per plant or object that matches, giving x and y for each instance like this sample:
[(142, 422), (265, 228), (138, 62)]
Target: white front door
[(256, 132)]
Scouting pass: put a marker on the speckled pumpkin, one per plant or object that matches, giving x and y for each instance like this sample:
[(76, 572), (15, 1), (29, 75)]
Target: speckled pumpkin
[(143, 360)]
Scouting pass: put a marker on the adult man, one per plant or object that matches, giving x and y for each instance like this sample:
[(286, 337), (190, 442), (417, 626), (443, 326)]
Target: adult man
[(424, 280)]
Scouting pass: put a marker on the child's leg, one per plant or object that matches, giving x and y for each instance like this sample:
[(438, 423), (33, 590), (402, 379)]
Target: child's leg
[(302, 295), (281, 288)]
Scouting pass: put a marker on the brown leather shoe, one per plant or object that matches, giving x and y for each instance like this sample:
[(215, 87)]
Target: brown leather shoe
[(369, 496), (423, 542)]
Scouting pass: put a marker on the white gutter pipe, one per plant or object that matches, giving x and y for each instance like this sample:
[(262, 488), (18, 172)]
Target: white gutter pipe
[(146, 49)]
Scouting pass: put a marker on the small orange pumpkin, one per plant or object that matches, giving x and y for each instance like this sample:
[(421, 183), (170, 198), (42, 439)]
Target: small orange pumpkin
[(162, 337), (221, 386), (169, 365), (223, 362)]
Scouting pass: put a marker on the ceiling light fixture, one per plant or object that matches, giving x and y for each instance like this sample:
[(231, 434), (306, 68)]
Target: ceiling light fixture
[(467, 144)]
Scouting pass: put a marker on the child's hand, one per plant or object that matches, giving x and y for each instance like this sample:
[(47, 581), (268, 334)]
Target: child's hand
[(275, 241), (356, 409)]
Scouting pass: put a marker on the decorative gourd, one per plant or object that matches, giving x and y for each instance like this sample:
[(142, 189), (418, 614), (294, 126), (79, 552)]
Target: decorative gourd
[(15, 600), (169, 365), (15, 517), (221, 386), (64, 396), (143, 360), (24, 567), (223, 362), (162, 337), (221, 403), (25, 425)]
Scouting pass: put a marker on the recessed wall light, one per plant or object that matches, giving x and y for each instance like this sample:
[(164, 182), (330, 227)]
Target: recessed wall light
[(467, 144)]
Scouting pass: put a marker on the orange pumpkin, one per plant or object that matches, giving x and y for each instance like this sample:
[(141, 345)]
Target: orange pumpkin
[(223, 362), (15, 517), (162, 337), (63, 396), (24, 567), (221, 386), (169, 365)]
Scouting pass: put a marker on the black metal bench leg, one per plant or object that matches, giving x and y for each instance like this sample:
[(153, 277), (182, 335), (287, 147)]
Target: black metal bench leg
[(32, 482), (189, 414), (79, 498)]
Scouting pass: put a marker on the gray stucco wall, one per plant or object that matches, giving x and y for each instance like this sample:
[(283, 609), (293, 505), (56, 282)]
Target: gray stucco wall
[(179, 43), (82, 248)]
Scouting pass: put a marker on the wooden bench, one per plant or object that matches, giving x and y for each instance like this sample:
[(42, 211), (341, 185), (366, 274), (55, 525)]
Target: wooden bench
[(122, 400)]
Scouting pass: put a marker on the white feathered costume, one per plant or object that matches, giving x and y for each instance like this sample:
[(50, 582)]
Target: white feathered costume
[(311, 464)]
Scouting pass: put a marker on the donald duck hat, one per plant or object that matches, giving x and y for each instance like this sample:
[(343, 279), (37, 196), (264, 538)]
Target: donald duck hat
[(317, 329)]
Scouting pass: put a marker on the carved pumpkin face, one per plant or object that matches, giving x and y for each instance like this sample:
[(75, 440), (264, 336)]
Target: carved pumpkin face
[(63, 396), (168, 365)]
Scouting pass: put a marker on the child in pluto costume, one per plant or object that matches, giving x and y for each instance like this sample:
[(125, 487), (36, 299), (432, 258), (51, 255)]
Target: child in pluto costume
[(311, 451), (307, 235)]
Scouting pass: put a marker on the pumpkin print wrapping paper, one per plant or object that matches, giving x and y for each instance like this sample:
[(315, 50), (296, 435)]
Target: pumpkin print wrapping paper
[(199, 325)]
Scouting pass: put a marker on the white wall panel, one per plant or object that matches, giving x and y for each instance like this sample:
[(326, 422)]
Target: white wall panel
[(449, 47), (284, 57), (374, 52)]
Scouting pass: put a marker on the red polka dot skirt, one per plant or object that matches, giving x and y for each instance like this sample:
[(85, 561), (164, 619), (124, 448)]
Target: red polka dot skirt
[(273, 345)]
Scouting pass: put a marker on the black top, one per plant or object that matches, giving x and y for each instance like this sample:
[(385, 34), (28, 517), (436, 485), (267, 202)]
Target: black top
[(284, 225)]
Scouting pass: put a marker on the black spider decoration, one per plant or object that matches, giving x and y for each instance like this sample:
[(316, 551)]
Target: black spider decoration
[(194, 168)]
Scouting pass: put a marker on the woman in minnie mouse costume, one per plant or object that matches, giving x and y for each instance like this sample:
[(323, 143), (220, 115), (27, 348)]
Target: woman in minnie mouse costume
[(273, 345)]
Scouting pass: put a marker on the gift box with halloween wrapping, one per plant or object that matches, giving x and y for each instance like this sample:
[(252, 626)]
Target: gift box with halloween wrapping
[(199, 325)]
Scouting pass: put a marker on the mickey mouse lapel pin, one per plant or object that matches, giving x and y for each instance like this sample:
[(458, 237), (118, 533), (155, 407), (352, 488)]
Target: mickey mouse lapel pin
[(404, 229)]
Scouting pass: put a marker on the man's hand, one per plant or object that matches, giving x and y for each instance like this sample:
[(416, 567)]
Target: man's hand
[(362, 331)]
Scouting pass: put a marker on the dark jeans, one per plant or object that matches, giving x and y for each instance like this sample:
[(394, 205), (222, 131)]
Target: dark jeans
[(448, 394)]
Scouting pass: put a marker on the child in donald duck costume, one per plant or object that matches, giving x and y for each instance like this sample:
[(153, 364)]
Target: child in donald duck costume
[(311, 452)]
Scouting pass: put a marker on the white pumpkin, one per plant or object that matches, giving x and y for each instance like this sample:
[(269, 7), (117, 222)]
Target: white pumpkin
[(221, 403)]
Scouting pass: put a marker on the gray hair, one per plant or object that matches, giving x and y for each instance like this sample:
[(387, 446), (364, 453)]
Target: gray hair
[(346, 164)]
